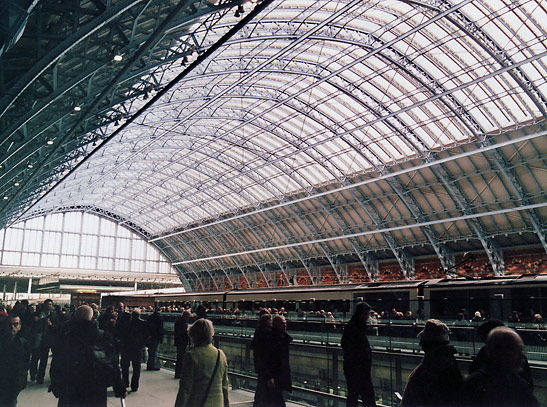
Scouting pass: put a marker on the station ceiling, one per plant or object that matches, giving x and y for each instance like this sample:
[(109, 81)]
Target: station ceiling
[(244, 137)]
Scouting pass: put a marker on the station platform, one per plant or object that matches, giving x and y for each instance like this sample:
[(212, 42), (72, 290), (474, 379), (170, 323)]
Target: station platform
[(157, 388)]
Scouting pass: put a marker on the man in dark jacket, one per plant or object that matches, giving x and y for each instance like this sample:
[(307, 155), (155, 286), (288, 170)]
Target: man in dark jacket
[(107, 320), (436, 381), (260, 355), (155, 329), (14, 361), (498, 382), (135, 339), (358, 358), (181, 340), (76, 379), (47, 321), (481, 360), (121, 328), (276, 370)]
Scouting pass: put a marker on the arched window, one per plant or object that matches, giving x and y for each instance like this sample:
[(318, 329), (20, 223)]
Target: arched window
[(79, 240)]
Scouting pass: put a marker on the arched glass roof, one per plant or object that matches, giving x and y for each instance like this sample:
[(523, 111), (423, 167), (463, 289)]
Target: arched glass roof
[(282, 113)]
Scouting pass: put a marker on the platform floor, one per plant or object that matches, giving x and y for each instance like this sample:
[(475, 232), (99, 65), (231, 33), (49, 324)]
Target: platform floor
[(156, 388)]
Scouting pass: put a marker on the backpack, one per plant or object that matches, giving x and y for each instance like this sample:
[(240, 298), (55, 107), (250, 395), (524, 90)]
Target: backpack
[(104, 361)]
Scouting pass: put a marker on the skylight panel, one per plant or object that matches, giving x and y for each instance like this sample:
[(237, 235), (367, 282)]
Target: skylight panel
[(280, 183), (420, 41), (431, 67), (423, 134), (351, 76), (334, 114), (444, 139), (519, 112), (316, 173), (483, 115), (508, 23), (474, 11), (449, 127), (497, 32), (526, 33), (536, 72), (402, 146), (379, 154), (414, 116)]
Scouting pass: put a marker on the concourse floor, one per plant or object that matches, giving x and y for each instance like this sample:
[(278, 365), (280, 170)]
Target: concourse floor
[(156, 388)]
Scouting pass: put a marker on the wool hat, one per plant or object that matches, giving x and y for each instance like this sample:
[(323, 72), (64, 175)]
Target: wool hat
[(434, 331)]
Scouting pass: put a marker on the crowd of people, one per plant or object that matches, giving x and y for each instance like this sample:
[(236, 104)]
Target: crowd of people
[(93, 351)]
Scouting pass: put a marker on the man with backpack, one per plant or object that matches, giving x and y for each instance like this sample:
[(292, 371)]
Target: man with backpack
[(84, 363)]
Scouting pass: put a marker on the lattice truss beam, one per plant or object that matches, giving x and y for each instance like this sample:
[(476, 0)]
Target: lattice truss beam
[(303, 137)]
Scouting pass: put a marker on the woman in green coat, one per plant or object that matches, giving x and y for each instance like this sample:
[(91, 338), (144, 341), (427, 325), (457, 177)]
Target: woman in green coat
[(204, 376)]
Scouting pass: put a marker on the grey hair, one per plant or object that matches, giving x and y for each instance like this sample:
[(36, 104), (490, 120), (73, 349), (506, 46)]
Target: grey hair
[(502, 339), (201, 332), (84, 312)]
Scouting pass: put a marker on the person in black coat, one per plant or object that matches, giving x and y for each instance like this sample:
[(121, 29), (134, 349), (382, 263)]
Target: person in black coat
[(121, 327), (498, 382), (155, 329), (107, 320), (437, 381), (275, 372), (75, 378), (181, 340), (481, 360), (48, 328), (14, 360), (262, 331), (358, 358), (134, 340)]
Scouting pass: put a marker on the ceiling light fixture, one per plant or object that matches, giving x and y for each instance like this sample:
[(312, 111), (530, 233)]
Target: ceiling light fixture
[(117, 56), (240, 10), (147, 92)]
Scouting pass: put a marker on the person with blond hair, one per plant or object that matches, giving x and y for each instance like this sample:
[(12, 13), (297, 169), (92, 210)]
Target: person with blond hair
[(205, 379)]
